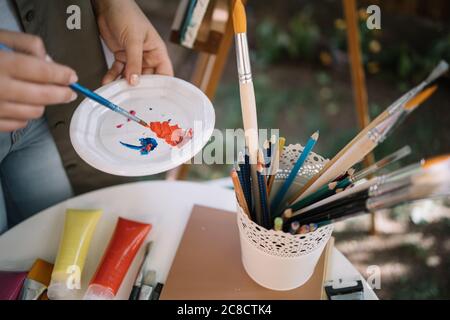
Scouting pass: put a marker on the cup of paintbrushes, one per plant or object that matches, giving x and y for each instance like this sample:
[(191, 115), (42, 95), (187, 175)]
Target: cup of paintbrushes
[(281, 260)]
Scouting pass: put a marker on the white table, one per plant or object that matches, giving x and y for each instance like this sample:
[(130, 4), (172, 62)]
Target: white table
[(167, 205)]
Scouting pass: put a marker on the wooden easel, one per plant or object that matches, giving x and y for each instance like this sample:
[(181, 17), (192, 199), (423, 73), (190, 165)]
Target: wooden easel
[(358, 78), (206, 76)]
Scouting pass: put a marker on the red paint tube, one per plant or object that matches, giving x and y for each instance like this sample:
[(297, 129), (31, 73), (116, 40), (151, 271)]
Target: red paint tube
[(122, 248)]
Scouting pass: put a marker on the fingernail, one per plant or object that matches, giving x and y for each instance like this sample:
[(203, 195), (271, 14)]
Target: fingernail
[(73, 78), (134, 79), (48, 58), (73, 97)]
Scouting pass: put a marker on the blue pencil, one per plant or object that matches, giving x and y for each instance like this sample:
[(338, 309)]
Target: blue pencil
[(281, 193), (263, 196), (245, 189), (247, 177)]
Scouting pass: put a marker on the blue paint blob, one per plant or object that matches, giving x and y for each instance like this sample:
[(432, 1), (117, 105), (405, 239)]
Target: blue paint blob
[(147, 145)]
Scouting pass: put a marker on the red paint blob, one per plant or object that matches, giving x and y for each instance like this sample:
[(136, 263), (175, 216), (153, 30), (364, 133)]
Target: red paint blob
[(172, 134), (132, 112), (128, 237)]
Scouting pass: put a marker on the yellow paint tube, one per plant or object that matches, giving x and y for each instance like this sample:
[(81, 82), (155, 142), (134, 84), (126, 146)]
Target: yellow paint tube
[(79, 227)]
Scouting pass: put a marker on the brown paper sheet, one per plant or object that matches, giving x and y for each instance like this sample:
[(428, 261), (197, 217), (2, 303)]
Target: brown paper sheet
[(208, 264)]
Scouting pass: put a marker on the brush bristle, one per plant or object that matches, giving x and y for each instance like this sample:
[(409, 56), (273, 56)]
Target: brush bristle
[(420, 98), (148, 247), (41, 272), (239, 18), (436, 160)]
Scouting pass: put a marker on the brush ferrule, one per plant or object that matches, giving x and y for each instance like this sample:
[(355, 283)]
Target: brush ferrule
[(374, 135), (387, 186), (381, 131), (387, 200), (243, 58)]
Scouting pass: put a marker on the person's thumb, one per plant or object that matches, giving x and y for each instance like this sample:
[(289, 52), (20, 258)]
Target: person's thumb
[(133, 68)]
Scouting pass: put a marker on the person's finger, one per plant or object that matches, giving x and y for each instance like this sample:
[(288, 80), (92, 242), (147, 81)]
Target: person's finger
[(24, 42), (7, 125), (159, 60), (120, 56), (133, 67), (114, 72), (165, 68), (148, 70), (25, 67), (33, 93), (18, 111)]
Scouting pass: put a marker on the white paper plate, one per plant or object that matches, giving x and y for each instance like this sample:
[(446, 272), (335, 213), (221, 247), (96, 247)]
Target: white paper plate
[(96, 138)]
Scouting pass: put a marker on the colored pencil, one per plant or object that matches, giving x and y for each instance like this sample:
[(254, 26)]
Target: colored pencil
[(248, 182), (294, 227), (278, 224), (429, 178), (239, 193), (353, 155), (412, 192), (330, 188), (275, 163), (281, 193), (244, 179), (398, 174), (264, 199)]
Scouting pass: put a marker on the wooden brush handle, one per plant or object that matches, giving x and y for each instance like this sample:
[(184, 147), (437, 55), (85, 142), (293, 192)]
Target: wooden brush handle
[(354, 154), (248, 106)]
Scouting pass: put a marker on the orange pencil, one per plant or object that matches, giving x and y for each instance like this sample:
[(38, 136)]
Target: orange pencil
[(239, 193)]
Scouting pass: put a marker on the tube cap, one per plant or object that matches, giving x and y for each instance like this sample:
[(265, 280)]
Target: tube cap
[(98, 292), (58, 290)]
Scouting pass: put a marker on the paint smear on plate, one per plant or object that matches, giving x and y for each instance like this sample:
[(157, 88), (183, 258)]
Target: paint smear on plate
[(146, 145), (128, 120), (172, 134)]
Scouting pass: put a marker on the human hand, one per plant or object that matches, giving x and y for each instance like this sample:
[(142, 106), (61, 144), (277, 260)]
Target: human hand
[(29, 81), (136, 45)]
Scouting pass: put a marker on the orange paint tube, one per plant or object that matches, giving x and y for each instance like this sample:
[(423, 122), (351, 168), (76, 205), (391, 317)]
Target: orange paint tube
[(128, 237)]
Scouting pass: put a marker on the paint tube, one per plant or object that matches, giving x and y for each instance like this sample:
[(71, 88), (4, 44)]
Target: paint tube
[(79, 227), (122, 248), (10, 284)]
